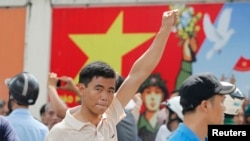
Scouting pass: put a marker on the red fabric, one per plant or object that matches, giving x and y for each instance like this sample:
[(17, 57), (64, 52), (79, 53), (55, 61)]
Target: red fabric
[(242, 64), (68, 59)]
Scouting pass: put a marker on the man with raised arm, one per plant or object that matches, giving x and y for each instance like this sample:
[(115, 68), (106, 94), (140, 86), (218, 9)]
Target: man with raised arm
[(101, 107)]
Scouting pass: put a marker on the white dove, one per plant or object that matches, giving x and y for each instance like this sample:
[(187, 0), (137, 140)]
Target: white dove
[(220, 35)]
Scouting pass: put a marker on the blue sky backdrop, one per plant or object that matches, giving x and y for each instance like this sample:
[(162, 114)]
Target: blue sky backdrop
[(238, 45)]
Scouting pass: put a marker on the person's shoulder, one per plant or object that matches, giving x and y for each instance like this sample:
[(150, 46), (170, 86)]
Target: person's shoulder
[(3, 121), (172, 137), (183, 132), (57, 130), (60, 126), (175, 136), (42, 126), (163, 128), (38, 125), (2, 118), (163, 132)]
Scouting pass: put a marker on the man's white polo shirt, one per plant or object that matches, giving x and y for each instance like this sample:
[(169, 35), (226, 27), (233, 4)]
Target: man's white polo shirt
[(71, 129)]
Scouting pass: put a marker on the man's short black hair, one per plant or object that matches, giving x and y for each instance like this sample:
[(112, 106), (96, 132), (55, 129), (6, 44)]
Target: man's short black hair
[(95, 69)]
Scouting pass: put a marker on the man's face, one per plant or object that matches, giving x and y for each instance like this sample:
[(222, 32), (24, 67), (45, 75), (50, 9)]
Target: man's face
[(216, 109), (152, 97), (174, 121), (239, 118), (247, 120), (51, 117), (98, 95)]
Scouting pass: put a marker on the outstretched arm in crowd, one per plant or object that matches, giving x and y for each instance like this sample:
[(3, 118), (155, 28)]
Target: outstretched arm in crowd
[(60, 106), (144, 65)]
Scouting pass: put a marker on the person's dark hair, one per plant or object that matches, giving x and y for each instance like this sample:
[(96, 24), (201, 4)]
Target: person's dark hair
[(42, 109), (119, 81), (190, 110), (96, 69)]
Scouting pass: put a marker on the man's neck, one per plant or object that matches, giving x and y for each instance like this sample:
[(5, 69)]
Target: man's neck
[(85, 115), (197, 125)]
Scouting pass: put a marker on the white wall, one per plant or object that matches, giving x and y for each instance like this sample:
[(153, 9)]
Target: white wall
[(37, 43), (37, 49)]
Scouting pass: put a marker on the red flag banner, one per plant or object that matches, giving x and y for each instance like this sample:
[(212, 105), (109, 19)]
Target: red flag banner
[(118, 36), (242, 64)]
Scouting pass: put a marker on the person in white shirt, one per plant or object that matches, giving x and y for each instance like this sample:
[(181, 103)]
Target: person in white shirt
[(174, 117), (101, 107)]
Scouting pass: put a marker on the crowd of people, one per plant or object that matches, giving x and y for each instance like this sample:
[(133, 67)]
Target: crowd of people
[(110, 105)]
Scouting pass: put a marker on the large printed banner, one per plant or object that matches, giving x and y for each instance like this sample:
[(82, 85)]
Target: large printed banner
[(12, 34), (117, 35), (208, 38)]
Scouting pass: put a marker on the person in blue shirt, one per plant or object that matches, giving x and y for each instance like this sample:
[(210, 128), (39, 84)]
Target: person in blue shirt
[(23, 92), (201, 97), (7, 133)]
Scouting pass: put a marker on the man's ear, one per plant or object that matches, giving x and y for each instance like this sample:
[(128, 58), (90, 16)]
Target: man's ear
[(204, 105), (81, 88)]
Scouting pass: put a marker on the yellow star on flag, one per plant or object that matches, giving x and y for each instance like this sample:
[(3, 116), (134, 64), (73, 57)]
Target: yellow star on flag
[(110, 46)]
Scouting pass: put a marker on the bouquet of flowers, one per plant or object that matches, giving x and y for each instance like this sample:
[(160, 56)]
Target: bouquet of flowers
[(187, 22)]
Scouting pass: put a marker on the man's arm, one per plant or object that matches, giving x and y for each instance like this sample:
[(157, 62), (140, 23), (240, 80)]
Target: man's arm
[(59, 105), (146, 63)]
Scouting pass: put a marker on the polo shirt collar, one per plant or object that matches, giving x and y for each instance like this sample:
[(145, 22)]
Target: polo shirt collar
[(75, 123)]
